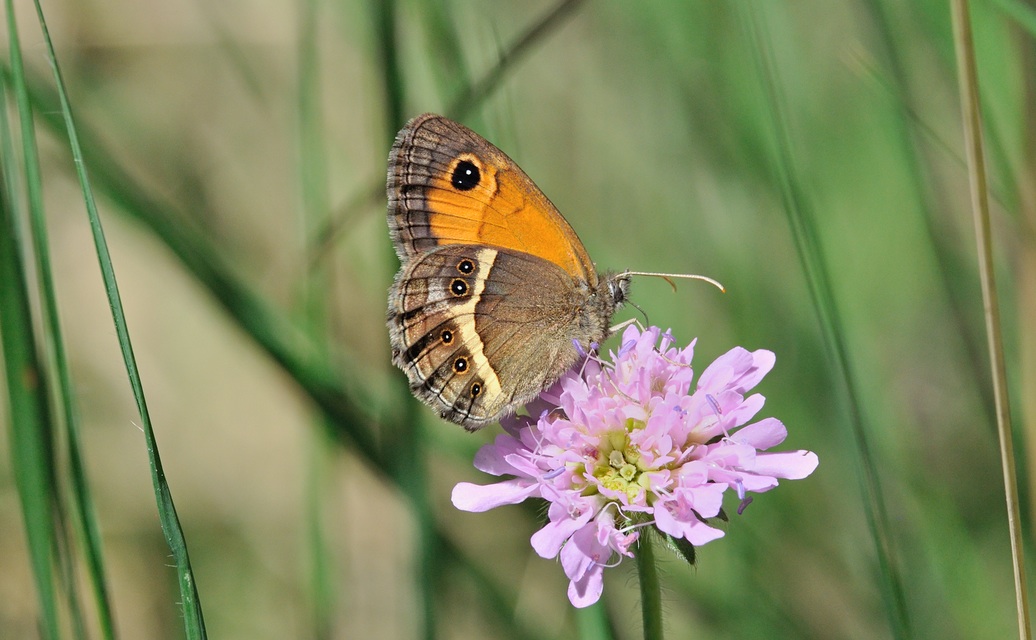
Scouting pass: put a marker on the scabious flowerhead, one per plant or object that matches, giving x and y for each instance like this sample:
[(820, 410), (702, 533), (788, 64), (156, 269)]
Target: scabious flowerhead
[(617, 446)]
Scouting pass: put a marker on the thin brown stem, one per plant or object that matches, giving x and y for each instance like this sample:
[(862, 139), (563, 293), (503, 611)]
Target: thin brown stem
[(972, 116)]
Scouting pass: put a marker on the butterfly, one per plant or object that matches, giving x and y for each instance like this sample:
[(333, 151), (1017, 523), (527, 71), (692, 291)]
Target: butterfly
[(496, 296)]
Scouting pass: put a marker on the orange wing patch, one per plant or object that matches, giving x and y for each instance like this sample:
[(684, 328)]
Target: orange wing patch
[(500, 212), (501, 206)]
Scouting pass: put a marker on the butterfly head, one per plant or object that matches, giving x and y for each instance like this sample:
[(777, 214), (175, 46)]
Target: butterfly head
[(618, 287)]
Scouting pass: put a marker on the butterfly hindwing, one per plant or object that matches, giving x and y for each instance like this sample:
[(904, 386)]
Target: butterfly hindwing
[(478, 329)]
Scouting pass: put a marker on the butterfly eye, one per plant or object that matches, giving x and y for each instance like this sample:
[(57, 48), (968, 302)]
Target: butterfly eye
[(466, 266), (466, 176), (460, 365), (459, 287), (446, 336), (475, 389)]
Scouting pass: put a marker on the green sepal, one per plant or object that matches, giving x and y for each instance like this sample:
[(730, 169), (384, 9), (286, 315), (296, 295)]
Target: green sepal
[(681, 547)]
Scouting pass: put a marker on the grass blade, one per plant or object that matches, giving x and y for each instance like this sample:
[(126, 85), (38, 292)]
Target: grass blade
[(29, 413), (82, 502), (972, 117), (32, 425), (193, 620), (52, 363)]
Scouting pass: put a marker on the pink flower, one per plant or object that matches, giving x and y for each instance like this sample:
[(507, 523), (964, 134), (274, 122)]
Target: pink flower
[(623, 445)]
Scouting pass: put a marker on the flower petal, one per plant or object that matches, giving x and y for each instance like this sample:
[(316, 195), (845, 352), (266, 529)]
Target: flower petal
[(762, 364), (565, 520), (490, 458), (587, 590), (792, 465), (583, 560), (477, 498), (768, 432), (746, 410), (693, 530), (723, 369)]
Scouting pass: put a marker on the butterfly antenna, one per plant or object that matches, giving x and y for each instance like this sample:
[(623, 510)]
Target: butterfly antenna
[(642, 312), (669, 276)]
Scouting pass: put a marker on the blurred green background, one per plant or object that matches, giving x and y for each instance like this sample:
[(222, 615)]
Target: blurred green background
[(246, 141)]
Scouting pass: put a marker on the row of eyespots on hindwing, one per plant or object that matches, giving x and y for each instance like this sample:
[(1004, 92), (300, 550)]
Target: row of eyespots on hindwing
[(458, 365), (460, 362)]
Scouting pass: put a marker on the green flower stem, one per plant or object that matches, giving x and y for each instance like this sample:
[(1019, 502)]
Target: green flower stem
[(650, 591)]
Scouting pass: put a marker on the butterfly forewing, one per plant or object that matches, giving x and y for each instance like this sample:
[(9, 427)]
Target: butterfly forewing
[(448, 185)]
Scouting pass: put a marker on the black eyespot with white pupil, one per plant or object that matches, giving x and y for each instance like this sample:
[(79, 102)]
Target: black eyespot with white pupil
[(458, 287), (466, 266), (475, 389), (446, 336), (460, 365), (466, 176)]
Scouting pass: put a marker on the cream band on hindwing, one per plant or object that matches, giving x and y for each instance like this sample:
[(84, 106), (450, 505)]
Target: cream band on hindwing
[(485, 258)]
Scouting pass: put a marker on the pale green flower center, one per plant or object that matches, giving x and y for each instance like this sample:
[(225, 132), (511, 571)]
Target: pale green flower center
[(618, 466)]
